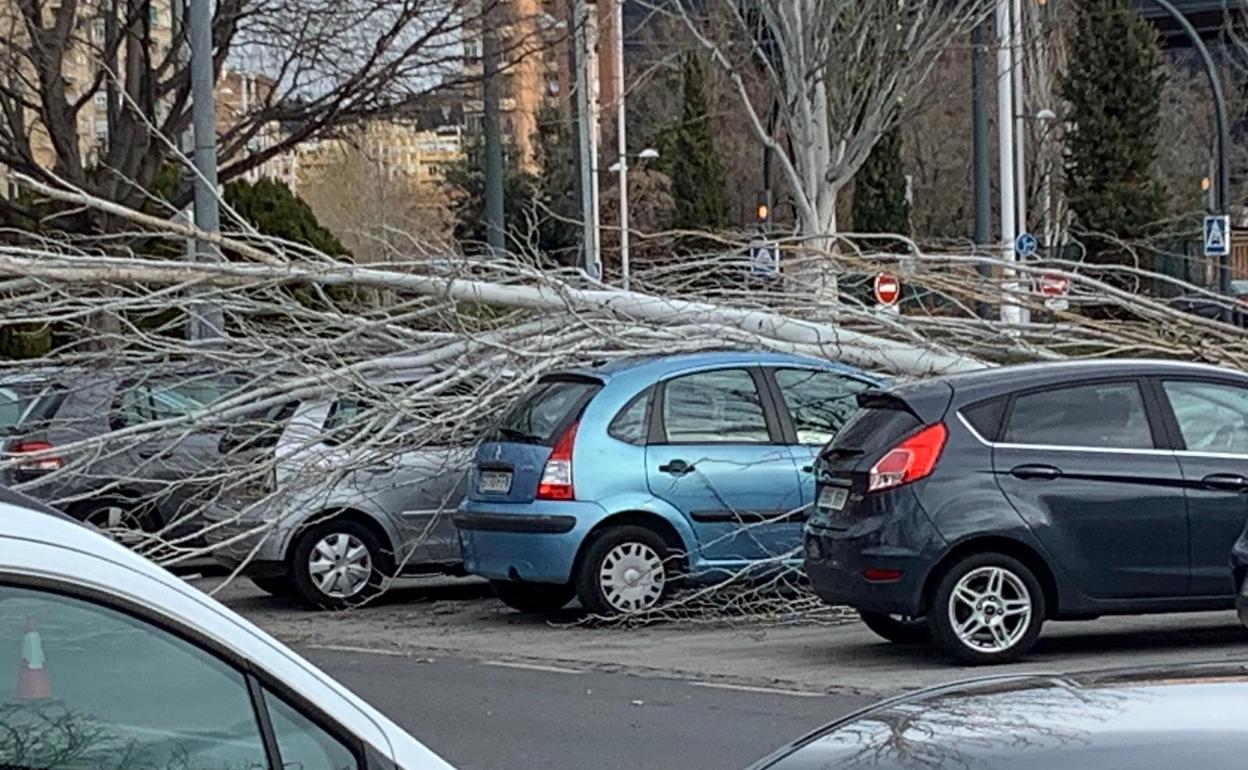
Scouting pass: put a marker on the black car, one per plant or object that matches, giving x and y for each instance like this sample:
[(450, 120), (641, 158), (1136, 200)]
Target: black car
[(1144, 719), (971, 508)]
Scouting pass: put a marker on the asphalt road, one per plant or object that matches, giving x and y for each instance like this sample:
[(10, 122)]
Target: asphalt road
[(517, 716)]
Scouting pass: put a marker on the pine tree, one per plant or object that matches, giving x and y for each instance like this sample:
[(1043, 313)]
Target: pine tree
[(880, 204), (274, 210), (1113, 88), (699, 184)]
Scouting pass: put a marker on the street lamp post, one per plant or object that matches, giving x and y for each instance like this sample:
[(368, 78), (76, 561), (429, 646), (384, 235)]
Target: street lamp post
[(621, 167), (622, 138), (1221, 185)]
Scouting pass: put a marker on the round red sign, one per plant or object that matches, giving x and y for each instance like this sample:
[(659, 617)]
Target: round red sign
[(887, 288), (1054, 285)]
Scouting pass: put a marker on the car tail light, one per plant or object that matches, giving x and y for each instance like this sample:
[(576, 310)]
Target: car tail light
[(556, 483), (910, 460), (45, 463)]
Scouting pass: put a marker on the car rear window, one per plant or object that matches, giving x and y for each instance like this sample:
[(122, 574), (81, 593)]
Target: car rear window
[(258, 430), (22, 405), (551, 404), (877, 426)]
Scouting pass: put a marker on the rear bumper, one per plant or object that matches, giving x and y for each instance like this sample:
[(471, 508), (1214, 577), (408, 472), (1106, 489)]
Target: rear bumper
[(535, 542), (247, 542), (836, 562)]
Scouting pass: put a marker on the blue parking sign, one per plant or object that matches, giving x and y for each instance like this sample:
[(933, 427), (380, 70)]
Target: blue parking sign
[(1217, 235)]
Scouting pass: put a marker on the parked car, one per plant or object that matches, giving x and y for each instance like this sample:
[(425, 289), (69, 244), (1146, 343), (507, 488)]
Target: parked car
[(972, 508), (1232, 307), (334, 519), (606, 483), (1154, 718), (113, 662), (145, 482)]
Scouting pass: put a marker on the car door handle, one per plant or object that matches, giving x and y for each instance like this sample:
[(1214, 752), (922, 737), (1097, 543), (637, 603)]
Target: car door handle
[(1228, 481), (1042, 472), (146, 454), (676, 468)]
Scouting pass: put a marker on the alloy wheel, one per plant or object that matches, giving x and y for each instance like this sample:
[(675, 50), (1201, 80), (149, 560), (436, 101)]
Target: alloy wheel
[(632, 577), (990, 609), (340, 565)]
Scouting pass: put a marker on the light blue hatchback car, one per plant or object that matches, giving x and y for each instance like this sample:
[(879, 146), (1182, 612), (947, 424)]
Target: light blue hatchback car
[(608, 483)]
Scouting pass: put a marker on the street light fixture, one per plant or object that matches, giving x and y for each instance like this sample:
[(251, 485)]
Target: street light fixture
[(647, 154)]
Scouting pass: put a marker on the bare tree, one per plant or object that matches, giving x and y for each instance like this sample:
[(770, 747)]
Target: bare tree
[(841, 73), (98, 94)]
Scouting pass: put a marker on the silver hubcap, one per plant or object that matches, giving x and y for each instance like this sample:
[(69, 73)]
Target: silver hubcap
[(990, 609), (340, 565), (632, 577)]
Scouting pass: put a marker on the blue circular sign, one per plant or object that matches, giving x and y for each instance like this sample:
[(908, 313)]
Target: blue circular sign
[(1025, 245)]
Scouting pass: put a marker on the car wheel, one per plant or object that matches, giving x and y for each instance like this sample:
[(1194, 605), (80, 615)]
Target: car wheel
[(898, 629), (339, 563), (624, 570), (533, 597), (987, 608), (122, 519), (279, 585)]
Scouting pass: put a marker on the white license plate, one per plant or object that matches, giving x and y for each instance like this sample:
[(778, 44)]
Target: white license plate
[(833, 498), (494, 482)]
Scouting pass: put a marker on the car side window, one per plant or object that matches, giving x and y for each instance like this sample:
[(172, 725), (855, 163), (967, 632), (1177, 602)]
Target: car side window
[(94, 689), (717, 407), (631, 425), (1107, 415), (820, 402), (1212, 417), (302, 743)]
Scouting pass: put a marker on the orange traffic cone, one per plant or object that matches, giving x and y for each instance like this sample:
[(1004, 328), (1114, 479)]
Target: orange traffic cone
[(32, 677)]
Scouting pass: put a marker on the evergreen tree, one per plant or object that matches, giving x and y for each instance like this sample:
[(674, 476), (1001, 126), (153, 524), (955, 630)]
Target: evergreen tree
[(559, 213), (689, 159), (466, 179), (274, 210), (880, 204), (1113, 87)]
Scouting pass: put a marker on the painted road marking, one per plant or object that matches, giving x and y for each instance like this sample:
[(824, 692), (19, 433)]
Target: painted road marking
[(359, 650), (762, 690), (531, 667)]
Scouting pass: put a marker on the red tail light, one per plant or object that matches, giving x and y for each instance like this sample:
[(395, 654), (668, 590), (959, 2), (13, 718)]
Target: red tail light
[(910, 460), (556, 483), (45, 463)]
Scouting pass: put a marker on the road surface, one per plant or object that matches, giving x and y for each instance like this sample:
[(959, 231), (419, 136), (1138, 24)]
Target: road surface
[(496, 715)]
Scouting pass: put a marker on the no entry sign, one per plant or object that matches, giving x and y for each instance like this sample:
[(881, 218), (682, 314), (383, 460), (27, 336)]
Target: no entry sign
[(887, 289), (1054, 285)]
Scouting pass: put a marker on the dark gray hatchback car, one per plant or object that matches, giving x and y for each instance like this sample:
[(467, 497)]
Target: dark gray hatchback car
[(969, 509)]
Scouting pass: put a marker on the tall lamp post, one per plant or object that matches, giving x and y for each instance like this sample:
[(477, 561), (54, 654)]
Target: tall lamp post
[(621, 167), (1222, 182)]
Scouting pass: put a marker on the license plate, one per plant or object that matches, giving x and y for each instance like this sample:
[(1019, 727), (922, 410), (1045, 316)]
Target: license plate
[(494, 482), (833, 498)]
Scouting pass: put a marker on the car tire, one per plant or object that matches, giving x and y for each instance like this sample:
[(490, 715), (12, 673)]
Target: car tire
[(118, 516), (624, 570), (986, 609), (896, 628), (329, 570), (533, 598), (278, 585)]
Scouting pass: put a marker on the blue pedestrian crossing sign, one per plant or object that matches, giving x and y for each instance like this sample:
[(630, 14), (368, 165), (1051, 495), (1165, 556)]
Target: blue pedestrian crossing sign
[(1217, 235), (1025, 245)]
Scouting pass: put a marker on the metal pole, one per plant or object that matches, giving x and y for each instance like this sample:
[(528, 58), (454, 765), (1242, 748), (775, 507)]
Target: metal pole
[(206, 319), (494, 213), (1019, 111), (587, 128), (1221, 185), (622, 138), (979, 147), (1005, 138)]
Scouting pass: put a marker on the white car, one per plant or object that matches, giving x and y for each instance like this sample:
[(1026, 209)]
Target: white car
[(107, 660)]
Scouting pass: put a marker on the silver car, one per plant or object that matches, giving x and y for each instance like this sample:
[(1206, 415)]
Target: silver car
[(336, 516), (113, 662)]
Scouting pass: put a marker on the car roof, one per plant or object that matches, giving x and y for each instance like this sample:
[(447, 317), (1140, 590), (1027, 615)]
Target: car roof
[(43, 549), (660, 365), (1188, 716)]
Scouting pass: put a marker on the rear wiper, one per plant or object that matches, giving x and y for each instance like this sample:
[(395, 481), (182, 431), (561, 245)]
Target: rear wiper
[(519, 435)]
